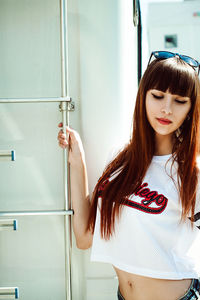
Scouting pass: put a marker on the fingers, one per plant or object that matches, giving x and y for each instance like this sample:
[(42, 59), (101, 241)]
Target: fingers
[(62, 139), (68, 137), (70, 132), (61, 135), (63, 146), (67, 128), (63, 143)]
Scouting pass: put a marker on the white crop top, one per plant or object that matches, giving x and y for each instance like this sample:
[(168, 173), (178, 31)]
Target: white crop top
[(149, 240)]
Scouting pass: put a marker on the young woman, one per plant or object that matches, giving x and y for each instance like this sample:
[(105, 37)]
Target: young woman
[(144, 214)]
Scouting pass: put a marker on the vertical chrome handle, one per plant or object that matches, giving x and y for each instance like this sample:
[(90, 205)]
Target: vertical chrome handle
[(135, 12), (7, 155), (9, 293), (8, 224)]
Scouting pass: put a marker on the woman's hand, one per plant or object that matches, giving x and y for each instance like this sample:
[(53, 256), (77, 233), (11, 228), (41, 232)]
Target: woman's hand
[(72, 141)]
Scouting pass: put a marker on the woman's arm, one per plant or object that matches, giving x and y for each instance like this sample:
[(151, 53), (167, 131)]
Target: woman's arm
[(79, 186)]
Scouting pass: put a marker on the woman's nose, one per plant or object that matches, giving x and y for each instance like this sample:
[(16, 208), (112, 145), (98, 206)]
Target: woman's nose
[(167, 107)]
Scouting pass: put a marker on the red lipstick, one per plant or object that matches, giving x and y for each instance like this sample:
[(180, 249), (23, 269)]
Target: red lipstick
[(164, 121)]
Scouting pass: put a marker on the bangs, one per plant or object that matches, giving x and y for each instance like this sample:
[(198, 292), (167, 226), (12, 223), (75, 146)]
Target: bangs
[(173, 75)]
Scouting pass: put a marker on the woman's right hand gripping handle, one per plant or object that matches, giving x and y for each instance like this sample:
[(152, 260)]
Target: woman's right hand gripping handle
[(79, 185)]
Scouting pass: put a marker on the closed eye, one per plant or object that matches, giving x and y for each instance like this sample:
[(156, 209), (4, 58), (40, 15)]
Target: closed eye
[(156, 96), (180, 101)]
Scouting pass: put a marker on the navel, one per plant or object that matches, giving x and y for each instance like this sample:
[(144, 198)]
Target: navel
[(130, 284)]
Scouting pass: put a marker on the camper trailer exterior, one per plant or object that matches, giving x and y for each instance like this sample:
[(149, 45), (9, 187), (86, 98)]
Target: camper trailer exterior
[(101, 80)]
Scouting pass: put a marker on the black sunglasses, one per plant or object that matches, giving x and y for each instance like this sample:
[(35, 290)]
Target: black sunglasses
[(165, 54)]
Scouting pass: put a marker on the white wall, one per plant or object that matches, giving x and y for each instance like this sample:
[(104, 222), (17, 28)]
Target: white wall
[(103, 64), (177, 18)]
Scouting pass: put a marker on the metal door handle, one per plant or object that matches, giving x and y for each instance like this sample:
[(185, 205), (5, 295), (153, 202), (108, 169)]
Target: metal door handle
[(9, 293), (7, 155), (9, 224)]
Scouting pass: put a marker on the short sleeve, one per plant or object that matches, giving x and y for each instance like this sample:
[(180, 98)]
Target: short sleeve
[(197, 209)]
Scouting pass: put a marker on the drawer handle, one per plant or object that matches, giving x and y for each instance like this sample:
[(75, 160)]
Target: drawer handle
[(8, 224), (9, 293), (7, 155)]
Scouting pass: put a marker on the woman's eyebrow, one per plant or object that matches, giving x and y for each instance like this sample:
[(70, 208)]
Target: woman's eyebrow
[(157, 91)]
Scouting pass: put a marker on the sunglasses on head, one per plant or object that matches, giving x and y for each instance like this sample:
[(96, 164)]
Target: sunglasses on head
[(166, 54)]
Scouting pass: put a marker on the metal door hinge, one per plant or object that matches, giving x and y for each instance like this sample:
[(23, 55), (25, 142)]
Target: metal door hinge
[(69, 106), (135, 12)]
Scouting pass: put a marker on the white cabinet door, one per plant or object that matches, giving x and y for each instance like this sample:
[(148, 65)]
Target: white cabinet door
[(31, 258)]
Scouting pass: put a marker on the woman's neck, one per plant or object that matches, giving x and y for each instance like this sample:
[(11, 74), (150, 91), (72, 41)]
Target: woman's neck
[(164, 144)]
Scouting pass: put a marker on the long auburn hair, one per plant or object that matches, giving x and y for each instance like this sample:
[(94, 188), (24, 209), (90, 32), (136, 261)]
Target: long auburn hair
[(177, 77)]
